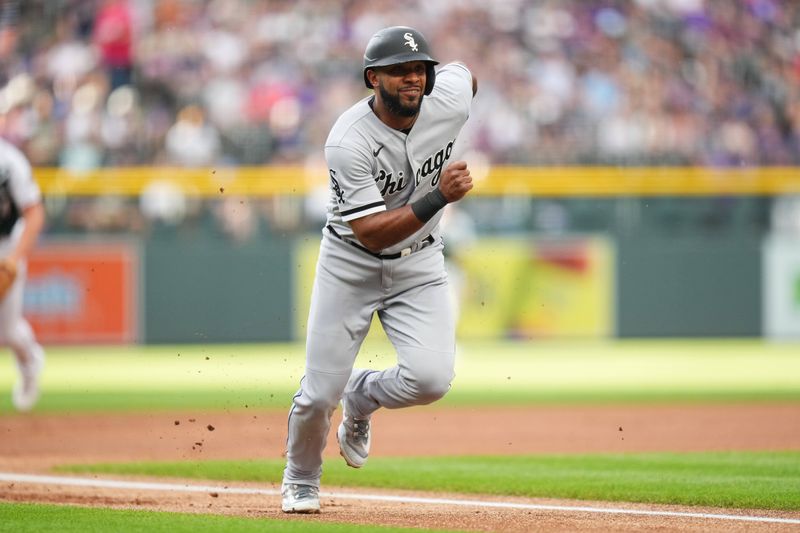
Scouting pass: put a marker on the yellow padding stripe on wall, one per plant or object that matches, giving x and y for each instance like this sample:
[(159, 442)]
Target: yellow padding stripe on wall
[(503, 180)]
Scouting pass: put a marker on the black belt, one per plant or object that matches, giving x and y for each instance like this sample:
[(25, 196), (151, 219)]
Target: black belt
[(402, 253)]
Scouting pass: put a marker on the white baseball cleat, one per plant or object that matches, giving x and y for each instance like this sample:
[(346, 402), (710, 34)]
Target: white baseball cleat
[(299, 498), (354, 439), (26, 391)]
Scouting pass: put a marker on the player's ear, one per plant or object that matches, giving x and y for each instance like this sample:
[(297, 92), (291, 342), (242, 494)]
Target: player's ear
[(372, 77)]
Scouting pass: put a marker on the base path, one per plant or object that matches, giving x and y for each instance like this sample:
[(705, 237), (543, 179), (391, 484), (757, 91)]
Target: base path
[(34, 443)]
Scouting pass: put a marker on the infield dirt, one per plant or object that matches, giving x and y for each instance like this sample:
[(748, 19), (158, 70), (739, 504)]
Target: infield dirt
[(34, 443)]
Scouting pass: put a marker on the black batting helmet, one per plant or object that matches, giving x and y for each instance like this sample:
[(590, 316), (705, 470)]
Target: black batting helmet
[(399, 44)]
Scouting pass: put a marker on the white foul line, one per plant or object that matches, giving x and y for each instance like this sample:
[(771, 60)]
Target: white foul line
[(174, 487)]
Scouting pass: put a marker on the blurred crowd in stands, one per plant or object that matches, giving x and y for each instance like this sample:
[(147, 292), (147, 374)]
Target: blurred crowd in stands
[(86, 84), (91, 83)]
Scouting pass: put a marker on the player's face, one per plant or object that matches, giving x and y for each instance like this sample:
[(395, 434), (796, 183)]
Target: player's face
[(402, 87)]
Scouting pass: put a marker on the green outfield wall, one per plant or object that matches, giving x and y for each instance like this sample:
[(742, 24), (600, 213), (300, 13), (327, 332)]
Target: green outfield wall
[(205, 289), (689, 287)]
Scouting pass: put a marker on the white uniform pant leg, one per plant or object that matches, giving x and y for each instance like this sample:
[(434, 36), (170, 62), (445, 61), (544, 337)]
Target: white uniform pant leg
[(419, 320), (342, 305), (15, 331)]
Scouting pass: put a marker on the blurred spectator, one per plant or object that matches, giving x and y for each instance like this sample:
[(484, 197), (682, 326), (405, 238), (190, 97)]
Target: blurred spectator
[(694, 82), (237, 218), (458, 232), (83, 147), (113, 38), (192, 141)]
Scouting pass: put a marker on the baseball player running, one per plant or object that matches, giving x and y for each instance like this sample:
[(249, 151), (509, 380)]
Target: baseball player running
[(389, 161), (21, 221)]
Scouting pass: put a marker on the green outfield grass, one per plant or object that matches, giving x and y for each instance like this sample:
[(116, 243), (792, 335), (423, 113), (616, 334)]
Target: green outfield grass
[(753, 480), (82, 378), (35, 518)]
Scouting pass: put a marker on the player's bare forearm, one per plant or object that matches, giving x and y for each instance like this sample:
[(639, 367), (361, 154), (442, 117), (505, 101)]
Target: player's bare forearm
[(381, 230)]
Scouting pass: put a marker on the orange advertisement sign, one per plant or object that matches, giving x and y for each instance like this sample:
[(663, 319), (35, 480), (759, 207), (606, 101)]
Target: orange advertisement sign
[(83, 292)]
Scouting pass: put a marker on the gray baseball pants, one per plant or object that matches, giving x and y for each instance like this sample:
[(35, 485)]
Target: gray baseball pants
[(410, 295)]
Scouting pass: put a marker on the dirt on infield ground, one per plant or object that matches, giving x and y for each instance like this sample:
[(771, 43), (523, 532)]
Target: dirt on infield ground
[(34, 443)]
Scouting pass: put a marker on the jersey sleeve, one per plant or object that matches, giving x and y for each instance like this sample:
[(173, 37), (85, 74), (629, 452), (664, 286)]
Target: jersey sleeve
[(454, 86), (352, 183)]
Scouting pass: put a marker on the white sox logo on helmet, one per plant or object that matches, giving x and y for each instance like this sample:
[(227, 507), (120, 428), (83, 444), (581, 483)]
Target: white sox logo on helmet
[(410, 42)]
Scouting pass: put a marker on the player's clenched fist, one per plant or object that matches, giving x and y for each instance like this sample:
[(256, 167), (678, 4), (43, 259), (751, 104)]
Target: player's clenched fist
[(456, 181)]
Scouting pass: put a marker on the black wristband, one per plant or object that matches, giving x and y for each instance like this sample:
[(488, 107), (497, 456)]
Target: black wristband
[(429, 205)]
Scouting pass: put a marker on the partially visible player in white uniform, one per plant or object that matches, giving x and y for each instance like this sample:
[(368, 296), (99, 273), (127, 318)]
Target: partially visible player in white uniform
[(389, 161), (21, 221)]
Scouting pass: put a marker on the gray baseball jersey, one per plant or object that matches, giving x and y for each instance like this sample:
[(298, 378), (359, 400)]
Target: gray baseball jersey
[(18, 190), (374, 168)]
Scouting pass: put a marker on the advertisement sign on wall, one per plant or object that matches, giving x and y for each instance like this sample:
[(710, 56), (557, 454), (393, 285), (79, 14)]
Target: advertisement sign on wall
[(781, 285), (83, 292), (537, 288)]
